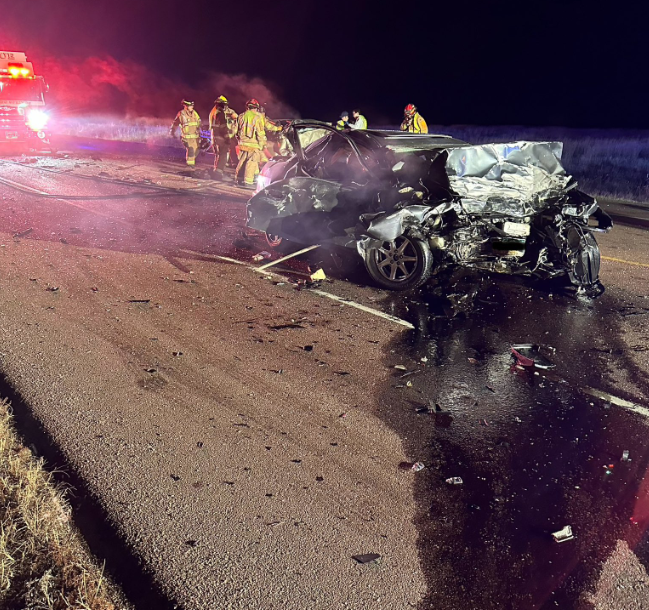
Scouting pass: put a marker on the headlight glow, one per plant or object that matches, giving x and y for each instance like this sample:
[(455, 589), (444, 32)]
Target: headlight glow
[(262, 182), (37, 119)]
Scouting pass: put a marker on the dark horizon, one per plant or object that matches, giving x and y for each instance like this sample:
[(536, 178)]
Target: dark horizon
[(569, 64)]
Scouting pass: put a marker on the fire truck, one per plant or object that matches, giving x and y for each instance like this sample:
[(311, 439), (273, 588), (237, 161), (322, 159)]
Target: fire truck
[(23, 119)]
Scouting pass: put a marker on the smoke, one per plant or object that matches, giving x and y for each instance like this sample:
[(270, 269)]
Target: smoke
[(129, 90)]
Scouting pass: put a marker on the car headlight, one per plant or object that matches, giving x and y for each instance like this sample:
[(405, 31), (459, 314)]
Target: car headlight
[(37, 119), (262, 182)]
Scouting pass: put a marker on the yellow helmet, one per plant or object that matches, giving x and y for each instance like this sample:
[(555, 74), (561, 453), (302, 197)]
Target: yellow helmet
[(221, 100)]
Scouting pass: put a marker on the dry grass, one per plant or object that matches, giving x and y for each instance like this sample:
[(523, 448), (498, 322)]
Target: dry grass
[(43, 561)]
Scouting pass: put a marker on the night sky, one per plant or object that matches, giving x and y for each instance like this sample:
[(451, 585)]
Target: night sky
[(570, 63)]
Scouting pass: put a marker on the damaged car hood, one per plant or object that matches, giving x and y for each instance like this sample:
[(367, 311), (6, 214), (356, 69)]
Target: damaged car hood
[(513, 179)]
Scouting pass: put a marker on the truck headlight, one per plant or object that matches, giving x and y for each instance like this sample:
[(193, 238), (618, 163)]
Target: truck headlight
[(37, 119)]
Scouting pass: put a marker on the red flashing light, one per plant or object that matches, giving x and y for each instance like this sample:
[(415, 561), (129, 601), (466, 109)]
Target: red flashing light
[(19, 71)]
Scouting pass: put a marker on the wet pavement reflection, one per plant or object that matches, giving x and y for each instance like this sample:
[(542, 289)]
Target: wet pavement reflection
[(535, 453)]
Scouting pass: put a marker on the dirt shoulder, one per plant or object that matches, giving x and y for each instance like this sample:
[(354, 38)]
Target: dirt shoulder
[(225, 424)]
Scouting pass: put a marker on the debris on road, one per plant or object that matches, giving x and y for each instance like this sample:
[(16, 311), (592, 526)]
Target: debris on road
[(400, 367), (318, 276), (472, 361), (263, 255), (455, 481), (139, 301), (283, 326), (24, 233), (367, 558), (288, 256), (414, 466), (423, 411), (52, 289), (528, 354), (564, 534), (625, 456)]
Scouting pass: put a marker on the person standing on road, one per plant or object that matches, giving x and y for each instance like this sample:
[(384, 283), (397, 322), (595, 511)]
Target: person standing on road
[(223, 122), (190, 131), (343, 121), (360, 122), (252, 140), (413, 122)]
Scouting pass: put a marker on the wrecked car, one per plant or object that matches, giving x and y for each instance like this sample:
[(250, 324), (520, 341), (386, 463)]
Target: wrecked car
[(414, 204)]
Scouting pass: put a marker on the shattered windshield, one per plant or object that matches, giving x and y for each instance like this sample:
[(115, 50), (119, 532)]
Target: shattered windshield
[(332, 157)]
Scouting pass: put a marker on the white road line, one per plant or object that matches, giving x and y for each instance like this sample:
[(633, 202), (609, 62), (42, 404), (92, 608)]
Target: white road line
[(322, 293), (374, 312), (620, 402)]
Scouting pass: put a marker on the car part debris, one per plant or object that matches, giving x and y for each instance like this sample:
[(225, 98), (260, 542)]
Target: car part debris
[(625, 456), (400, 367), (318, 276), (528, 354), (412, 204), (366, 558), (455, 481), (564, 534), (23, 233), (263, 255), (417, 466), (287, 257)]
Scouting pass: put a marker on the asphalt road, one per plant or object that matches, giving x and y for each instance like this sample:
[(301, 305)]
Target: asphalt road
[(237, 440)]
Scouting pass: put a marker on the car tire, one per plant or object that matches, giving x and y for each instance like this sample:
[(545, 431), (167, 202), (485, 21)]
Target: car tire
[(402, 264)]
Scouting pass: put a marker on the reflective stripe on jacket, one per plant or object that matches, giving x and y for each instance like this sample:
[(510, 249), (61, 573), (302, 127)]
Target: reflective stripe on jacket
[(250, 129), (190, 124)]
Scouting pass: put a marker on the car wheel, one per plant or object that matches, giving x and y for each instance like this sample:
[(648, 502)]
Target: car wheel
[(402, 264), (274, 241)]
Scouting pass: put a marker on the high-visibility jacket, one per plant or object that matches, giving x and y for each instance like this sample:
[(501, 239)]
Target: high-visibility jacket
[(340, 125), (416, 125), (359, 123), (270, 126), (251, 129), (223, 121), (190, 124)]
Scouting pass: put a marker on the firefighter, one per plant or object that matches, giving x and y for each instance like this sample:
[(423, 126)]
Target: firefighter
[(273, 145), (190, 130), (223, 122), (343, 121), (413, 122), (360, 122), (252, 140)]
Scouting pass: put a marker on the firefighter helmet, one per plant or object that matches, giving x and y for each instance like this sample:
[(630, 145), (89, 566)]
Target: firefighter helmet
[(252, 103), (187, 103), (410, 110), (221, 100)]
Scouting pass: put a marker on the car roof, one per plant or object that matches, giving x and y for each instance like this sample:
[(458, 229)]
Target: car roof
[(398, 141)]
